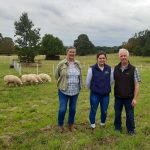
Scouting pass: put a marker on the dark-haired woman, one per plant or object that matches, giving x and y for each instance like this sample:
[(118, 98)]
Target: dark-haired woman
[(99, 78)]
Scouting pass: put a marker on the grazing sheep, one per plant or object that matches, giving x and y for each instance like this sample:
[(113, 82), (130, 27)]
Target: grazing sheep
[(37, 77), (29, 79), (45, 77), (12, 79)]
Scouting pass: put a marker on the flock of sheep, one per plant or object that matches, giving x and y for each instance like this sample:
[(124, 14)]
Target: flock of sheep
[(26, 79)]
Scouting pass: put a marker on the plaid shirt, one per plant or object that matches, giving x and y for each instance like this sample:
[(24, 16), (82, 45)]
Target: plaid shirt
[(136, 76), (73, 80)]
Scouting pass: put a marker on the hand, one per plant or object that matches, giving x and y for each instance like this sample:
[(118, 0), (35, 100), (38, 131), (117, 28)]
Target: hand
[(133, 102)]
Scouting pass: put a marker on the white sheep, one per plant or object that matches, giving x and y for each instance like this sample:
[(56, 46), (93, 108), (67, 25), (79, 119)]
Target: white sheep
[(12, 79), (45, 77), (37, 77), (29, 79)]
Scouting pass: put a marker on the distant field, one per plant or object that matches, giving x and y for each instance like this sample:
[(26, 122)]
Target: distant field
[(28, 114)]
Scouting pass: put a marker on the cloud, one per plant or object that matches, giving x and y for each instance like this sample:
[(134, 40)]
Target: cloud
[(106, 23)]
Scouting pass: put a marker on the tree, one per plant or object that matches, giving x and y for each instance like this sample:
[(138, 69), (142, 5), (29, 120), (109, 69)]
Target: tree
[(6, 45), (27, 39), (1, 37), (139, 44), (83, 45), (106, 49), (51, 46), (132, 42), (146, 49)]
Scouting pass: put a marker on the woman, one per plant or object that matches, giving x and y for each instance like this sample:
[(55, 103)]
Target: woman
[(69, 81), (99, 81)]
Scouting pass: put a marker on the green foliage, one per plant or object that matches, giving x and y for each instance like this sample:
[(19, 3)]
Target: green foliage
[(27, 39), (51, 46), (139, 44), (6, 45), (83, 45), (106, 49), (146, 50), (137, 50), (1, 37)]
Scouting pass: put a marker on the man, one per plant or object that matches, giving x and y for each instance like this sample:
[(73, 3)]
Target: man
[(126, 89)]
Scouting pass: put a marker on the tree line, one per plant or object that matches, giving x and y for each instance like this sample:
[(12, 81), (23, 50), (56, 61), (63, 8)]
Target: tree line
[(28, 43), (139, 44), (6, 45)]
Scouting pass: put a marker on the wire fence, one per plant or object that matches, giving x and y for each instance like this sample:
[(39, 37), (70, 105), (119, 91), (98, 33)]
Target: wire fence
[(17, 66), (37, 68), (49, 67)]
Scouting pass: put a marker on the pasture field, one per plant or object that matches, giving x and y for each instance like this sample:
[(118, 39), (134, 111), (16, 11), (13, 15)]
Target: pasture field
[(28, 114)]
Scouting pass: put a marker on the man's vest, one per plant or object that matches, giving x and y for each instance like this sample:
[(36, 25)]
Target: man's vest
[(124, 81), (100, 82)]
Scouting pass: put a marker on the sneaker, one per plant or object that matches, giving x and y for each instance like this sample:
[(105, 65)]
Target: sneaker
[(93, 125), (92, 130), (102, 125)]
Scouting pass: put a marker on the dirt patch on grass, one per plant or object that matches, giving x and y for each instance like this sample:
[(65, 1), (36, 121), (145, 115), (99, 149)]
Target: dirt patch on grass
[(101, 142), (5, 140), (107, 140), (48, 128)]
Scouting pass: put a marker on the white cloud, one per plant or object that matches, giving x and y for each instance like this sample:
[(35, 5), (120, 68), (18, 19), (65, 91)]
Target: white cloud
[(106, 22)]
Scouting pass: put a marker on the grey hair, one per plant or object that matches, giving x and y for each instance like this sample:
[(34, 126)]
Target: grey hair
[(70, 47), (123, 50)]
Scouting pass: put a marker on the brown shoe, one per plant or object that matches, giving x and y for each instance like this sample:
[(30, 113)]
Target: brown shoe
[(61, 129), (70, 126)]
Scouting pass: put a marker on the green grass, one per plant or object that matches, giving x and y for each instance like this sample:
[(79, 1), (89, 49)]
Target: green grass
[(28, 114)]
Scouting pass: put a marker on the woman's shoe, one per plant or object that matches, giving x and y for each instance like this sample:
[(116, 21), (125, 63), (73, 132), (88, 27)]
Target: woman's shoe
[(70, 126), (61, 129)]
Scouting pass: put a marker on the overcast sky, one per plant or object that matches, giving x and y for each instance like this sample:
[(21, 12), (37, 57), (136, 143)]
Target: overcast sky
[(106, 22)]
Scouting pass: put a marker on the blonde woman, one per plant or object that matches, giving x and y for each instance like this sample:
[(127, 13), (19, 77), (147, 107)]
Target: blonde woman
[(69, 82)]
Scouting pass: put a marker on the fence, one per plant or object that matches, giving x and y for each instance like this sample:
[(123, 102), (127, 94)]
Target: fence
[(19, 68)]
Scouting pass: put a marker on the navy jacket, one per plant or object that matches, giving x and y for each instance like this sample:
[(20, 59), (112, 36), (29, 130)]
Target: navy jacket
[(100, 82)]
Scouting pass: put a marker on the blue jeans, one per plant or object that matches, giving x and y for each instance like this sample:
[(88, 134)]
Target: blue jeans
[(119, 103), (63, 101), (95, 99)]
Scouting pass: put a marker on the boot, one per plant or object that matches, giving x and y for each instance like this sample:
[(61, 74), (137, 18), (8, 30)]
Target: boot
[(70, 126), (61, 129)]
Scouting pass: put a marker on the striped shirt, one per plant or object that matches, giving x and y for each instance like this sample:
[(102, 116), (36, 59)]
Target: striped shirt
[(137, 77)]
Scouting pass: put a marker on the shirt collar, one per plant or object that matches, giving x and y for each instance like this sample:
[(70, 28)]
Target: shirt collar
[(66, 61)]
